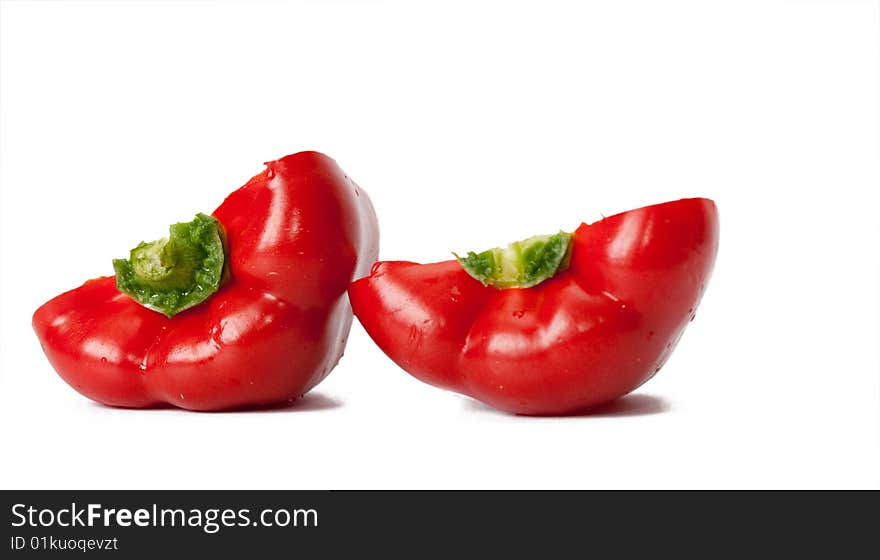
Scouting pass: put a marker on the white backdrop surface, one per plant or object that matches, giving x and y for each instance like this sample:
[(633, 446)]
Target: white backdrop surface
[(470, 124)]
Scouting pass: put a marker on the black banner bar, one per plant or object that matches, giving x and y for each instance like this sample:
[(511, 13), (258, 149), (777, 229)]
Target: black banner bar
[(130, 524)]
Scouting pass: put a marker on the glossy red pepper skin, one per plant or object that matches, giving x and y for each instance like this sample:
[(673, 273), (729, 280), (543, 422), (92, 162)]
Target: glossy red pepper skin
[(590, 334), (296, 235)]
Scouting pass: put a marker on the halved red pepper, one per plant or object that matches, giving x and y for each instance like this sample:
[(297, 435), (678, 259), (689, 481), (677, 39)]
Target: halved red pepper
[(554, 324), (245, 307)]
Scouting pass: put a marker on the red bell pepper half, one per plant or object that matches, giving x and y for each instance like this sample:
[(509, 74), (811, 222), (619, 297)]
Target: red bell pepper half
[(552, 324), (245, 307)]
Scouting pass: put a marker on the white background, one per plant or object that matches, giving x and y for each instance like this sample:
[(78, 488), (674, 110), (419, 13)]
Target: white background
[(470, 125)]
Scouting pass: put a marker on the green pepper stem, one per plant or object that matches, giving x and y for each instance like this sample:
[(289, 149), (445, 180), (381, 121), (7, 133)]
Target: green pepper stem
[(154, 261), (177, 272), (521, 264)]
